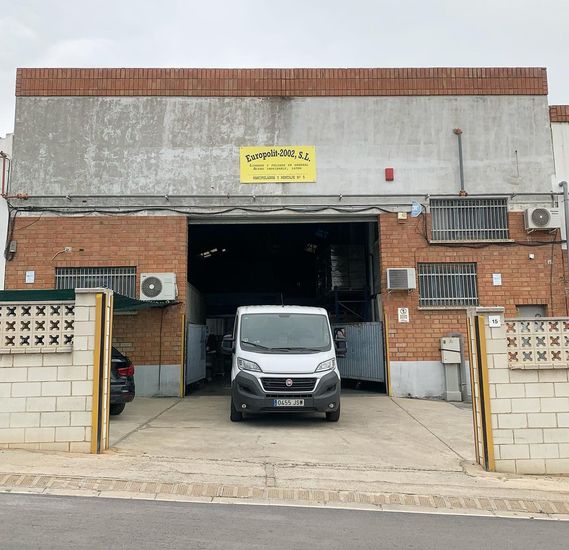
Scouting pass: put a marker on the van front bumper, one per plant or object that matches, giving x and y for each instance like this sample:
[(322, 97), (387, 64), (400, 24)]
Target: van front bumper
[(246, 390)]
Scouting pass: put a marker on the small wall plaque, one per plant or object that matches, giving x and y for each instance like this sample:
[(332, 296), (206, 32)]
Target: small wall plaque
[(403, 314), (494, 321)]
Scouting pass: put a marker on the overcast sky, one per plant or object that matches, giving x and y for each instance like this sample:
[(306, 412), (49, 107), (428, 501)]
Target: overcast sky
[(285, 33)]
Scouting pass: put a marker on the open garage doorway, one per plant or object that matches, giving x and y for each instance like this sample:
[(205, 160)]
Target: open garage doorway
[(329, 265)]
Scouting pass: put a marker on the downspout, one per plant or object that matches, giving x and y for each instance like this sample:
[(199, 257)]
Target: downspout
[(458, 133), (563, 185), (4, 157)]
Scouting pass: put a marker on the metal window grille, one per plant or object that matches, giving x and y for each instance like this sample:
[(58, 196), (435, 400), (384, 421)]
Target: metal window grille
[(120, 279), (448, 285), (466, 219)]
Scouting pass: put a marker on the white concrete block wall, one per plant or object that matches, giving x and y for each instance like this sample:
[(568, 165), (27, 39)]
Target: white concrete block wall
[(530, 413), (46, 398)]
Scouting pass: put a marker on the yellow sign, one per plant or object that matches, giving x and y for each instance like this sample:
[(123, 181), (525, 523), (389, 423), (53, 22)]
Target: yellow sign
[(278, 164)]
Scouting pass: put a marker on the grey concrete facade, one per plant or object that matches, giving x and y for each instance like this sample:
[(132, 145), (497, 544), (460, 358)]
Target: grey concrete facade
[(190, 145), (560, 133), (6, 148), (157, 380), (560, 136)]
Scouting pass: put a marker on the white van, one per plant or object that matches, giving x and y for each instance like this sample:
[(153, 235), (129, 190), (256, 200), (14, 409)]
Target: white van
[(283, 360)]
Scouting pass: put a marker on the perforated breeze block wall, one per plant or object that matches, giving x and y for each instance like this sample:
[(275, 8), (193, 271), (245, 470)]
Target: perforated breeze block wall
[(529, 407), (46, 391), (524, 281), (149, 243)]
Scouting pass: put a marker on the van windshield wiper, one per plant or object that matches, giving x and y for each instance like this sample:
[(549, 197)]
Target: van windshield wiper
[(257, 345), (279, 349), (298, 349)]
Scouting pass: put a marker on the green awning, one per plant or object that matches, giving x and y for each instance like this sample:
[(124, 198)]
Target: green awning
[(121, 303), (124, 303), (37, 295)]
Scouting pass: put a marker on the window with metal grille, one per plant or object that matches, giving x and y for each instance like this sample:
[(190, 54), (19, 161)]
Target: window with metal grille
[(465, 219), (120, 279), (447, 285)]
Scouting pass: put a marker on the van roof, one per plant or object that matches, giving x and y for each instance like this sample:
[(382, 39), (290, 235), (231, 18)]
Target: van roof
[(282, 309)]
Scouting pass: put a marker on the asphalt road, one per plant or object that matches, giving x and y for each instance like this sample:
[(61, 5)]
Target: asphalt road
[(46, 522)]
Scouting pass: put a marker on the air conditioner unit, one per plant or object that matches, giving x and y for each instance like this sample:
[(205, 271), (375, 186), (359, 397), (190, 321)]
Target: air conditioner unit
[(542, 218), (401, 278), (158, 286)]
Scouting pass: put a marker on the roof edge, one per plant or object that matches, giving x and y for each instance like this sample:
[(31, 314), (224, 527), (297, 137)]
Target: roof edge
[(290, 82), (559, 113)]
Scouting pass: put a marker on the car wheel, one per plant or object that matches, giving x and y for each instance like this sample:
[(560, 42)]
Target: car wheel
[(235, 415), (116, 408), (333, 416)]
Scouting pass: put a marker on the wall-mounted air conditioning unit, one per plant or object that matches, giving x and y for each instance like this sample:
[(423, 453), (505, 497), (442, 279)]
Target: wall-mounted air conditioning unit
[(542, 219), (158, 286), (401, 278)]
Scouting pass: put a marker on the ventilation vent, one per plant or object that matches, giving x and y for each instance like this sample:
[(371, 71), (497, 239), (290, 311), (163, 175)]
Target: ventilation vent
[(401, 278), (542, 218), (152, 287), (158, 286)]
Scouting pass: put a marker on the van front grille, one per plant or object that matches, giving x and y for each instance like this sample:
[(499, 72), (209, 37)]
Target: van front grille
[(280, 384), (289, 395)]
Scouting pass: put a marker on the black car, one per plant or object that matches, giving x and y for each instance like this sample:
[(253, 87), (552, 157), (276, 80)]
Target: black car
[(122, 382)]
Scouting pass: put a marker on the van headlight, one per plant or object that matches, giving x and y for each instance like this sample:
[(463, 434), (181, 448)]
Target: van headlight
[(243, 364), (326, 365)]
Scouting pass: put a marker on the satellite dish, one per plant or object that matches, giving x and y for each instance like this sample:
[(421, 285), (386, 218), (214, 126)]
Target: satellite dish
[(416, 209)]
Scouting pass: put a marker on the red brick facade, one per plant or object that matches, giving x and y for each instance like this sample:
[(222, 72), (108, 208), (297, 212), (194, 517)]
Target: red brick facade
[(150, 243), (559, 113), (524, 281), (159, 244), (282, 82)]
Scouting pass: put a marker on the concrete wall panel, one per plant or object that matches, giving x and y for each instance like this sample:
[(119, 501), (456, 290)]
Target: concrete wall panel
[(187, 145)]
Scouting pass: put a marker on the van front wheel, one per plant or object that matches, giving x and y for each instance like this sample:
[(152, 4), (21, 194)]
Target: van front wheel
[(333, 416), (235, 415)]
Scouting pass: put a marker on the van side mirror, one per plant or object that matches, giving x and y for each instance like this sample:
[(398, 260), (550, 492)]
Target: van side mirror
[(340, 342), (227, 344)]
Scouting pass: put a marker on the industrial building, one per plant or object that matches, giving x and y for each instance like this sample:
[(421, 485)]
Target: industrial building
[(395, 198)]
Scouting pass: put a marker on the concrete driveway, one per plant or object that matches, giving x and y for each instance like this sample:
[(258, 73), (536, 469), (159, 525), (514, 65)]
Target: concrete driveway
[(384, 452), (375, 431)]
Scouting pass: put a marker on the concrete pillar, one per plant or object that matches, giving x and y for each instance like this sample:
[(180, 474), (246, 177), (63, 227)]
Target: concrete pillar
[(451, 358), (452, 382)]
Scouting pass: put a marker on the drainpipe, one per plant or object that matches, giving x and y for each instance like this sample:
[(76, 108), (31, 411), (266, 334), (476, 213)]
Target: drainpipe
[(4, 157), (563, 185), (458, 133)]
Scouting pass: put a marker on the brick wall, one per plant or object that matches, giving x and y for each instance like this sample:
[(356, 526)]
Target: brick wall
[(524, 281), (139, 336), (281, 82), (559, 113), (150, 243)]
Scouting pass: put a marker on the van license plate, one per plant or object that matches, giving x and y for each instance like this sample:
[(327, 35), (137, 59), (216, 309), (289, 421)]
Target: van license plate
[(288, 402)]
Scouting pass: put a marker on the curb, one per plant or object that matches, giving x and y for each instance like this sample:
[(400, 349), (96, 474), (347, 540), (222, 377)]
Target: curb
[(216, 492)]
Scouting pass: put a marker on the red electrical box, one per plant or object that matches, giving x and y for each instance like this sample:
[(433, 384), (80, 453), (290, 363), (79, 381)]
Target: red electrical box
[(389, 174)]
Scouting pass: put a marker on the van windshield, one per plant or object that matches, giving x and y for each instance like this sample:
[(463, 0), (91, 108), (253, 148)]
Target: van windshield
[(285, 333)]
